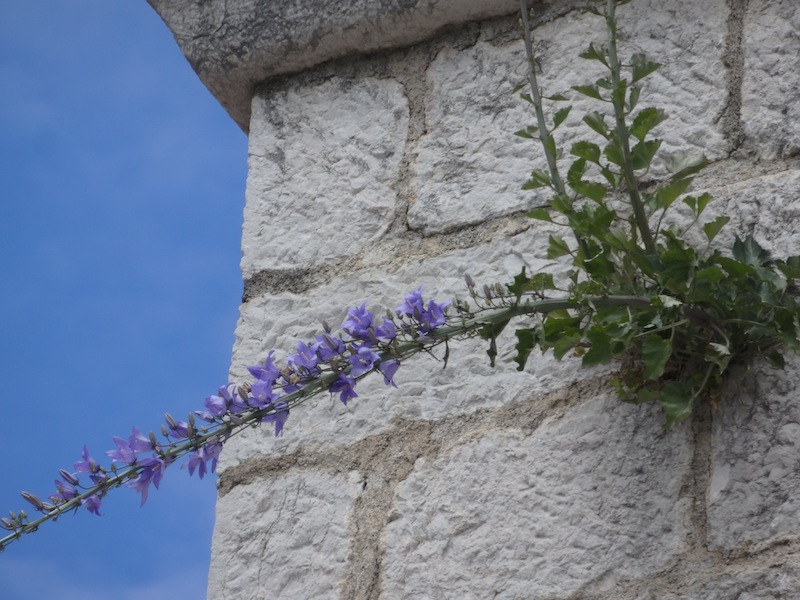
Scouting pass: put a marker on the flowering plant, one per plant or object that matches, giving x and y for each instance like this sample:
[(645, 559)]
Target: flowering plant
[(677, 320)]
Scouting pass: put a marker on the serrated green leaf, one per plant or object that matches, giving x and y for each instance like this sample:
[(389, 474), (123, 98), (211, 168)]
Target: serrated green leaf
[(642, 153), (520, 285), (594, 53), (633, 97), (655, 354), (526, 340), (561, 115), (775, 360), (600, 351), (490, 331), (596, 122), (668, 193), (590, 91), (749, 252), (589, 189), (683, 164), (698, 204), (530, 132), (676, 399), (556, 98), (714, 227), (576, 171), (614, 152), (557, 247), (641, 67), (646, 120), (586, 151), (539, 179)]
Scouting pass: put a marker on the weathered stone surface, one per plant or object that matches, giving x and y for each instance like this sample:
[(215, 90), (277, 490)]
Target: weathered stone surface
[(593, 497), (770, 109), (236, 44), (754, 495), (426, 390), (774, 579), (322, 159), (469, 166), (285, 538)]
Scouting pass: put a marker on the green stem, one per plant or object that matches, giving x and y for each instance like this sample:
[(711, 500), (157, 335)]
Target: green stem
[(623, 137)]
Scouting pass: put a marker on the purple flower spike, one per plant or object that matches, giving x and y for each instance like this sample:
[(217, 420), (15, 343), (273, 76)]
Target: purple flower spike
[(278, 417), (345, 387)]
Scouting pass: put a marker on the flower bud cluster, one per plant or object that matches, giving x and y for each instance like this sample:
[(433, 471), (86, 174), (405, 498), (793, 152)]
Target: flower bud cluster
[(328, 363)]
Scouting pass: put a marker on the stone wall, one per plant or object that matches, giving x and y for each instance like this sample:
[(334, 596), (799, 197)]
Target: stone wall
[(371, 174)]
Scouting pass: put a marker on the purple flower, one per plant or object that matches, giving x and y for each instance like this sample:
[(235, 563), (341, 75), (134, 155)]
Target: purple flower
[(358, 322), (268, 372), (388, 368), (329, 347), (216, 405), (427, 319), (65, 491), (345, 387), (177, 429), (387, 330), (412, 304), (152, 472), (278, 417), (92, 504), (124, 453), (305, 359), (262, 394), (199, 458), (363, 361)]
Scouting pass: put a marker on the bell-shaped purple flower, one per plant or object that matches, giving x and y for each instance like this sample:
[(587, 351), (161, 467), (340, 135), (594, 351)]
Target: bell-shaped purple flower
[(358, 322), (388, 368), (278, 417), (363, 361), (344, 386)]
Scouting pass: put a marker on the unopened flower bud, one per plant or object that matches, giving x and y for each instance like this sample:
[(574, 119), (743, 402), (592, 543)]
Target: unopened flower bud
[(68, 477), (470, 283), (35, 502), (6, 524), (487, 292), (23, 516), (153, 440)]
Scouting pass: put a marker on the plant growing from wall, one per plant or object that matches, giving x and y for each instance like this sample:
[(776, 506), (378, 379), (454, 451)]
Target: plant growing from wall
[(676, 319)]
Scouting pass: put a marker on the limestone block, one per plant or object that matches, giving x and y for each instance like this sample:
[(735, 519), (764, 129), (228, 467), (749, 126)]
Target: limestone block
[(770, 104), (591, 498), (234, 45), (282, 538), (469, 166), (426, 390), (754, 495), (322, 158)]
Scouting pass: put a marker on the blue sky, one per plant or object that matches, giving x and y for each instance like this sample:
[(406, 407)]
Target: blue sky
[(122, 195)]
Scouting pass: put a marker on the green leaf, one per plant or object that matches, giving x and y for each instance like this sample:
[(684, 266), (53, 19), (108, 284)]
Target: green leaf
[(539, 179), (683, 164), (644, 122), (589, 90), (633, 97), (655, 354), (557, 247), (776, 360), (698, 204), (749, 252), (594, 53), (589, 189), (530, 132), (520, 284), (556, 98), (596, 122), (719, 354), (676, 399), (576, 171), (641, 67), (614, 152), (561, 114), (600, 351), (714, 227), (541, 214), (490, 331), (586, 151), (668, 193), (526, 340), (642, 153)]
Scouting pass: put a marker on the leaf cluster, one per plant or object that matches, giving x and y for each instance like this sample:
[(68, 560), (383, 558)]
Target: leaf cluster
[(677, 320)]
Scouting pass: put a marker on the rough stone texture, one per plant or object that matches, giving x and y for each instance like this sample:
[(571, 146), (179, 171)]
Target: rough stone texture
[(470, 168), (321, 161), (754, 495), (237, 44), (591, 498), (284, 538), (770, 102)]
